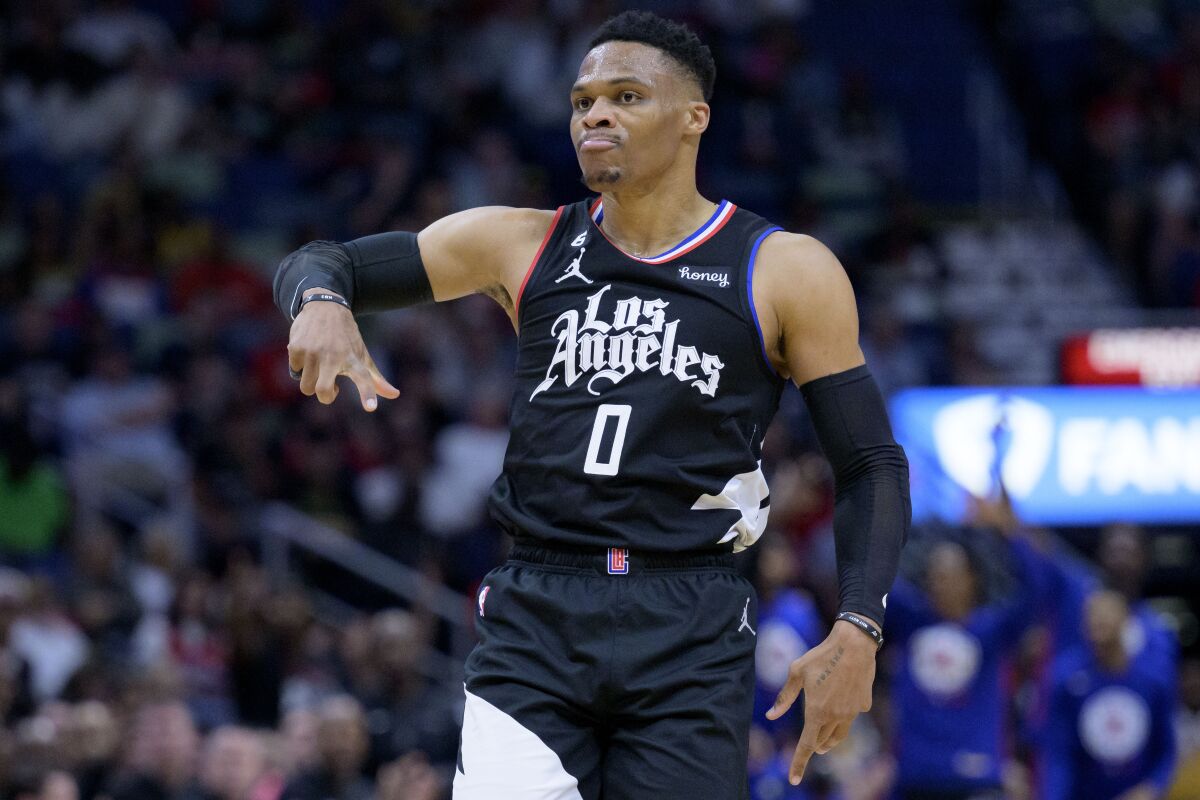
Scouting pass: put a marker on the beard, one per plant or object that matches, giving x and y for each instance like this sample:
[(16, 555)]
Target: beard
[(599, 179)]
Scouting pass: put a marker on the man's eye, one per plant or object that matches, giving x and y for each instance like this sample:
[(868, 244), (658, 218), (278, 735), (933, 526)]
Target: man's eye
[(583, 104), (628, 97)]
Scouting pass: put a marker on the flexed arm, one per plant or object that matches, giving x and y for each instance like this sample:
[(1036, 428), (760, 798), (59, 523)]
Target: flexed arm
[(480, 250)]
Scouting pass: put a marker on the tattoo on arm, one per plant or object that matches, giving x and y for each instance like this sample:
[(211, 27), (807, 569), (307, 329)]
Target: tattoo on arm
[(833, 662)]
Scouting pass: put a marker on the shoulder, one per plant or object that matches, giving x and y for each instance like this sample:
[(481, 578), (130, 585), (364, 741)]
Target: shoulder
[(800, 274), (806, 307), (799, 259)]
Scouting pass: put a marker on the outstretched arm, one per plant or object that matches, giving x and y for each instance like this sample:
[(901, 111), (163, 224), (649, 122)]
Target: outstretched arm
[(810, 329), (483, 250)]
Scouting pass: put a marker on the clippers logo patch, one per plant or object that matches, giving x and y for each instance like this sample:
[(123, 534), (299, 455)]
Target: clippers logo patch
[(618, 561), (483, 593)]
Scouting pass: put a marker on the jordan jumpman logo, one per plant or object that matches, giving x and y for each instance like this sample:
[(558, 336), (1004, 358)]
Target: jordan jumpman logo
[(746, 619), (573, 269)]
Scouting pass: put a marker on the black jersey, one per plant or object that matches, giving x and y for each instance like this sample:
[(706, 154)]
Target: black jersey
[(643, 391)]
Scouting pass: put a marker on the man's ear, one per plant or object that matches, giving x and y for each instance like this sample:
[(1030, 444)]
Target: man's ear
[(698, 116)]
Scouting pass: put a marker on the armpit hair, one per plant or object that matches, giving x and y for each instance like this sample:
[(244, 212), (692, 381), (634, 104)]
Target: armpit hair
[(498, 293)]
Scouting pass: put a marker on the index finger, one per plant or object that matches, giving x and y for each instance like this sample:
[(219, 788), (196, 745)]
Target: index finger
[(804, 751), (788, 694)]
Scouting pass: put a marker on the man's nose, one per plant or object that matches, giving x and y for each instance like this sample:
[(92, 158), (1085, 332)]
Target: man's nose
[(599, 114)]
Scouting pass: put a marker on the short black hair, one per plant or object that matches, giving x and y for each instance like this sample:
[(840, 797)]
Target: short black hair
[(673, 38)]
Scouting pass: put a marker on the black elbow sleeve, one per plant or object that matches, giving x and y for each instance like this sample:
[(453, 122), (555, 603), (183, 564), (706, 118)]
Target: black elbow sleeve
[(388, 272), (872, 510), (374, 273)]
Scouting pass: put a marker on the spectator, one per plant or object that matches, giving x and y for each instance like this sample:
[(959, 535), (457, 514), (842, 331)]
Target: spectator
[(48, 640), (16, 691), (30, 783), (1109, 733), (951, 646), (162, 756), (113, 30), (116, 436), (99, 595), (410, 778), (299, 751), (33, 500), (342, 742), (233, 764), (92, 737)]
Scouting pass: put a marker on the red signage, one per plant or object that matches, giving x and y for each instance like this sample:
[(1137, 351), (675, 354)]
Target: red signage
[(1132, 356)]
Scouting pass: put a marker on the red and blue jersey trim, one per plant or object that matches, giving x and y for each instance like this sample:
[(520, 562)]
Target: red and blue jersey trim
[(722, 215), (538, 257)]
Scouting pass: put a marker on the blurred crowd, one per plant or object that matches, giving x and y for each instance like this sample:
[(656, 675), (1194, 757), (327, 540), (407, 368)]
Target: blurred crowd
[(159, 158), (1111, 95)]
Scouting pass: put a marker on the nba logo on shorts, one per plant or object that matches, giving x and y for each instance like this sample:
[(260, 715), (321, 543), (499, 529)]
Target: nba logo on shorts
[(618, 561)]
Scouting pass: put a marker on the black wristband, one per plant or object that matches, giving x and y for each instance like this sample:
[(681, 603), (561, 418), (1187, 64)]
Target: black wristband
[(322, 297), (864, 626)]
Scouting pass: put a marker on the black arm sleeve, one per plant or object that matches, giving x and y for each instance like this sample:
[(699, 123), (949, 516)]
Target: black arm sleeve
[(872, 511), (373, 273)]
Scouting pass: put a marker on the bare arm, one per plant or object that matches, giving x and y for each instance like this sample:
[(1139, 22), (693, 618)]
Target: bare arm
[(810, 328), (806, 307), (484, 250)]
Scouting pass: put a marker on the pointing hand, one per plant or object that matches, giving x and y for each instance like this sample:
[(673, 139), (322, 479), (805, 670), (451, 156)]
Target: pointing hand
[(324, 343)]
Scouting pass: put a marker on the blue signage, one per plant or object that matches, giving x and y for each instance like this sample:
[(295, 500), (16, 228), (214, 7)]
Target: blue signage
[(1067, 456)]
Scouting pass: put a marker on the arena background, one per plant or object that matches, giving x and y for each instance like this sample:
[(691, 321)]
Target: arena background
[(217, 588)]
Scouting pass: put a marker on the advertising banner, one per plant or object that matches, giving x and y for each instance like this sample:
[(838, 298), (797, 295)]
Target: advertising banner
[(1068, 456)]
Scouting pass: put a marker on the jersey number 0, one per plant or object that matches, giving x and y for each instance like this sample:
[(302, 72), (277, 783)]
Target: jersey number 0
[(593, 465)]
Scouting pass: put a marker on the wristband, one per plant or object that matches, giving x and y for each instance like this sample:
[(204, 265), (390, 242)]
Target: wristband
[(328, 298), (864, 626)]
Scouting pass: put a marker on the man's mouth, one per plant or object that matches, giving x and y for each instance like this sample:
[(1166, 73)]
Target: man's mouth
[(597, 144)]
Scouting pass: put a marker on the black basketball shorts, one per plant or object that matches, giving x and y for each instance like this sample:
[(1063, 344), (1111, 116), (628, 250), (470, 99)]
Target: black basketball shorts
[(609, 676)]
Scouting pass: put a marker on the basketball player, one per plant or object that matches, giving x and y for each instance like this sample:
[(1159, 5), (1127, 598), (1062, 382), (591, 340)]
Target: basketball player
[(656, 331)]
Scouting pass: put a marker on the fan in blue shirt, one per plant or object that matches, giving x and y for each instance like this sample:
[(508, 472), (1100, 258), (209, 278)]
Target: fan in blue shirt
[(1109, 733), (1063, 585), (947, 691), (1122, 558), (1064, 582)]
